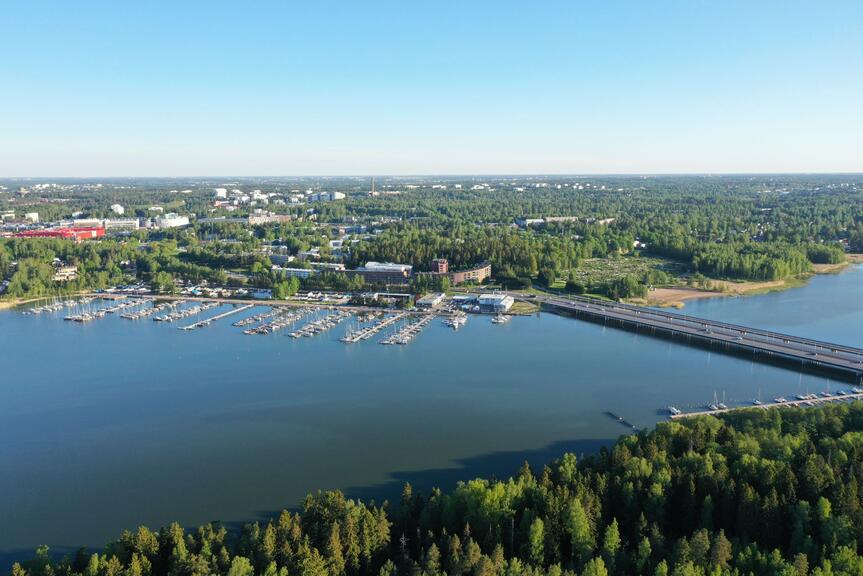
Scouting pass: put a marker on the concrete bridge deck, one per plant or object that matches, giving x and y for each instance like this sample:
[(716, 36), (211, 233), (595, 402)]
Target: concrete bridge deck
[(805, 353)]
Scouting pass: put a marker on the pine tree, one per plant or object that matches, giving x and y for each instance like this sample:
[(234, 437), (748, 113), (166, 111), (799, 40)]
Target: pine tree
[(334, 554)]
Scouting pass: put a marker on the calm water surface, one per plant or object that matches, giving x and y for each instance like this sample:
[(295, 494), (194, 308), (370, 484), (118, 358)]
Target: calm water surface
[(118, 423)]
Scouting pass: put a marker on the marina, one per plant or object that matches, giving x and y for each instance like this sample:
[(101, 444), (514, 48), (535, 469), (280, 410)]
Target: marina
[(283, 318), (126, 304), (325, 324), (217, 317), (87, 316), (539, 385), (155, 309), (805, 399), (185, 312), (58, 304), (456, 320), (354, 336), (248, 321), (410, 331)]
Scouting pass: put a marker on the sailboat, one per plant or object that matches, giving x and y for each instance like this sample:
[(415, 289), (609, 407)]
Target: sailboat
[(757, 401)]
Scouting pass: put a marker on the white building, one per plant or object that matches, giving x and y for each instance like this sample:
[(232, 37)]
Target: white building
[(326, 196), (32, 217), (497, 303), (221, 192), (405, 269), (296, 272), (88, 223), (122, 224), (172, 220), (117, 209), (430, 300)]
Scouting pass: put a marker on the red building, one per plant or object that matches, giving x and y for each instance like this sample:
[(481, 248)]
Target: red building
[(67, 233), (439, 266)]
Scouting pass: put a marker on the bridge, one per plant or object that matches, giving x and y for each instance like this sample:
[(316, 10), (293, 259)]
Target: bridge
[(764, 345)]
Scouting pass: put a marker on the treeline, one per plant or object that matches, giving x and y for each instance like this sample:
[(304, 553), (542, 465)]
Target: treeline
[(748, 260), (99, 264), (628, 286), (747, 227), (512, 253), (767, 492)]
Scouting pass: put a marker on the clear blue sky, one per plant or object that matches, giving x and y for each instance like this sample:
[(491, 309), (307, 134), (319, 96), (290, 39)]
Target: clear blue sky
[(305, 88)]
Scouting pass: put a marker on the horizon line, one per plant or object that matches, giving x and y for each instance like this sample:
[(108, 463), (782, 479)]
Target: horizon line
[(451, 175)]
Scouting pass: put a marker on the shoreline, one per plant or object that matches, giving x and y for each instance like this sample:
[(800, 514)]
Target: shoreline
[(6, 304), (676, 297)]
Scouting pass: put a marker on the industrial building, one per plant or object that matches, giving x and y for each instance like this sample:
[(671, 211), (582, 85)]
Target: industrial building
[(172, 220), (430, 301), (67, 233), (495, 303), (122, 224), (383, 272)]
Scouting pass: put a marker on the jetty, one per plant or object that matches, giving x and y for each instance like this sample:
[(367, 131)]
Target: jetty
[(408, 332), (355, 336), (254, 319), (155, 309), (321, 325), (185, 312), (807, 400), (216, 318), (283, 318), (126, 304)]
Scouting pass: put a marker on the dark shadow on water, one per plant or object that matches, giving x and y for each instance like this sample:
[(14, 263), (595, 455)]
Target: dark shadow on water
[(9, 557), (493, 465)]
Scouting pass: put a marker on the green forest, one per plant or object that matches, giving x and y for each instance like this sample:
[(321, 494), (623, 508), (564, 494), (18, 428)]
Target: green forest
[(762, 492), (731, 227)]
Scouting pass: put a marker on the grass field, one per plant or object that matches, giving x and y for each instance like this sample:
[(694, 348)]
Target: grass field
[(602, 270)]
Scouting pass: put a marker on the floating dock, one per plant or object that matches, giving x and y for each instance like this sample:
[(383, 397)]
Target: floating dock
[(126, 304), (257, 318), (321, 325), (283, 318), (366, 333), (800, 400), (217, 317), (186, 312), (409, 332), (155, 309)]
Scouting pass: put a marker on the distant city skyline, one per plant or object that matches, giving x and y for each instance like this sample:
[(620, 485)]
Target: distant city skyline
[(215, 89)]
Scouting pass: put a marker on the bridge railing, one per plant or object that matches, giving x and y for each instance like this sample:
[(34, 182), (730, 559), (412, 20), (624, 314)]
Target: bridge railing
[(787, 338)]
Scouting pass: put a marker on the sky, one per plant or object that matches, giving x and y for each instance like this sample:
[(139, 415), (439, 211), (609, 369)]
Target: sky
[(158, 88)]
